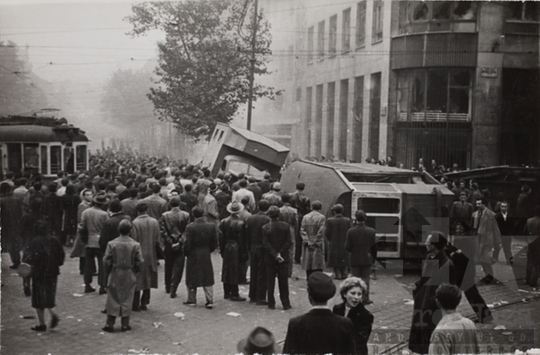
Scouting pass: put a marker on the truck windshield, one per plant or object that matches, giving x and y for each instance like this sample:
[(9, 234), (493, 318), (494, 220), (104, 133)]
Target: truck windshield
[(378, 205)]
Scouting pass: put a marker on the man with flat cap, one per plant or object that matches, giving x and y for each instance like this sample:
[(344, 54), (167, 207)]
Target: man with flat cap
[(320, 331), (260, 341)]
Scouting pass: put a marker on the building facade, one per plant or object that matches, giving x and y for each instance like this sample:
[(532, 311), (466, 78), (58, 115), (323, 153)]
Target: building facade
[(453, 81)]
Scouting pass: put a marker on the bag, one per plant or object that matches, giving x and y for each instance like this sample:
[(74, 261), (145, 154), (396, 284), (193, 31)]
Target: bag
[(24, 270)]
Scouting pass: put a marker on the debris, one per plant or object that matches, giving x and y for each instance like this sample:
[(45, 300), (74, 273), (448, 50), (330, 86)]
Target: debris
[(28, 317), (523, 300), (293, 292), (78, 295), (303, 289), (405, 352), (506, 333), (101, 333), (408, 302), (70, 317), (177, 343), (384, 327), (500, 327), (524, 291), (504, 302), (180, 315), (79, 320), (157, 324), (234, 314), (490, 305), (140, 351)]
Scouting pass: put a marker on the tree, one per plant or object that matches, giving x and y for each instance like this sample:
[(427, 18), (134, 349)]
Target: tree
[(18, 94), (204, 61)]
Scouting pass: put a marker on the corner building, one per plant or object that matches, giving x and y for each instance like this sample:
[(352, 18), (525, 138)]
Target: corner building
[(454, 81)]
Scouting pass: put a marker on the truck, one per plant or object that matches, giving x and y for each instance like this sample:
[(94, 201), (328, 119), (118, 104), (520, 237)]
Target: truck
[(235, 150), (403, 206)]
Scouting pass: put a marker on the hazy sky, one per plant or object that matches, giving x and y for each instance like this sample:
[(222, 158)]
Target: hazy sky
[(79, 40)]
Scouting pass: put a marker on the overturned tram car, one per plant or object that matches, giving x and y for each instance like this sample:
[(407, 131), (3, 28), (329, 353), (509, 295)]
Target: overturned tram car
[(44, 145)]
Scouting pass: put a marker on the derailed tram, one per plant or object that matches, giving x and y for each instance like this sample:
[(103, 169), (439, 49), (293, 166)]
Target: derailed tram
[(44, 145)]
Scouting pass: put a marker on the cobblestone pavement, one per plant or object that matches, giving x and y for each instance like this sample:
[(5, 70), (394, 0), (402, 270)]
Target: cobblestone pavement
[(205, 331)]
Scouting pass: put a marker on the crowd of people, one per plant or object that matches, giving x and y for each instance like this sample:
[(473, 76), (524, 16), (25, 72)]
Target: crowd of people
[(128, 212)]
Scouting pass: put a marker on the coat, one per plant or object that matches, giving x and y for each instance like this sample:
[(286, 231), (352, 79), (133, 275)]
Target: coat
[(129, 207), (362, 320), (336, 233), (201, 241), (461, 212), (157, 205), (70, 205), (312, 241), (487, 235), (290, 215), (122, 258), (254, 224), (92, 221), (146, 231), (319, 332), (277, 239), (109, 231), (11, 209), (437, 269), (362, 244), (506, 227), (233, 248)]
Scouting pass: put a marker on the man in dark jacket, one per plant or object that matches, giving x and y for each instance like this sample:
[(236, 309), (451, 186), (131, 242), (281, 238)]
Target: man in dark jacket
[(254, 240), (277, 240), (532, 229), (506, 222), (255, 188), (362, 245), (320, 331), (336, 232), (52, 206), (302, 203), (11, 209), (189, 199)]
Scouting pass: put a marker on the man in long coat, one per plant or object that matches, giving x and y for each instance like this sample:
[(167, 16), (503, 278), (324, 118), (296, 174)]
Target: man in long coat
[(11, 209), (122, 258), (336, 232), (487, 233), (201, 240), (532, 228), (289, 214), (461, 212), (302, 204), (146, 232), (313, 240), (437, 269), (233, 251)]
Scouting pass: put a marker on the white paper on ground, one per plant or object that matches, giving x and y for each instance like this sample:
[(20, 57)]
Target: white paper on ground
[(234, 314)]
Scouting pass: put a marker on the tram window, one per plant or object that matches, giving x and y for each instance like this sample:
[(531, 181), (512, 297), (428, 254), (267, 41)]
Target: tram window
[(44, 169), (80, 152), (379, 205), (56, 159), (69, 165), (31, 157)]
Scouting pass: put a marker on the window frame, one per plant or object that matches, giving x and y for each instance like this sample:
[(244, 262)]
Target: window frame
[(361, 9)]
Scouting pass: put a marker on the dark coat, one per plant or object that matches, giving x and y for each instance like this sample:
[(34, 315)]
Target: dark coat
[(254, 224), (11, 209), (301, 202), (257, 192), (362, 245), (437, 269), (277, 239), (362, 320), (129, 207), (336, 233), (506, 227), (223, 200), (201, 240), (46, 255), (109, 231), (319, 332), (461, 212), (190, 200), (70, 205), (233, 248)]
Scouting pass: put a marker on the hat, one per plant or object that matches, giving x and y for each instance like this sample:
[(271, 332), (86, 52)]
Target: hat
[(277, 186), (217, 182), (24, 270), (252, 179), (300, 186), (267, 175), (260, 341), (212, 187), (235, 207), (100, 199), (320, 286)]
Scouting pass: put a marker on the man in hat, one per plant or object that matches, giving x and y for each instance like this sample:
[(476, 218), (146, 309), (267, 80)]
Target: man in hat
[(92, 221), (260, 341), (320, 331), (233, 251), (313, 240), (336, 232), (461, 212), (255, 188), (146, 232), (274, 196), (302, 204), (277, 240), (265, 184)]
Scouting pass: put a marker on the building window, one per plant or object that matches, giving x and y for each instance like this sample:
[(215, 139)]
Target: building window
[(346, 31), (331, 105), (309, 102), (377, 34), (420, 11), (332, 36), (318, 119), (310, 34), (298, 94), (435, 95), (320, 40), (361, 24), (358, 117), (522, 11), (343, 118)]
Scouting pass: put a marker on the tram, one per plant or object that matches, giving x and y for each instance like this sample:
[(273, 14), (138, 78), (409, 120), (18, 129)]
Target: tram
[(44, 145)]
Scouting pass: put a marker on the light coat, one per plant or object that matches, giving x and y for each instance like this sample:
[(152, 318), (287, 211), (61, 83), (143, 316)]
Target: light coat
[(312, 241), (146, 231)]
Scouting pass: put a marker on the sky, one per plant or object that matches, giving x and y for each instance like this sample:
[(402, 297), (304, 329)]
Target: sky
[(76, 40)]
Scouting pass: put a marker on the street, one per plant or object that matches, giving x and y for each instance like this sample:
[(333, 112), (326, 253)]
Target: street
[(160, 329)]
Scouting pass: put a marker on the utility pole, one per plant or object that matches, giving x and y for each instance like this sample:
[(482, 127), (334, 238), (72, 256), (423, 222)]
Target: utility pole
[(252, 60)]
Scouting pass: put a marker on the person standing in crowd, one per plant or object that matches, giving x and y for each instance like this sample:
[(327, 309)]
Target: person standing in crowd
[(462, 251), (236, 185), (336, 232), (274, 195), (210, 206), (302, 204), (92, 221), (277, 241), (79, 246), (313, 240), (52, 206), (189, 199), (361, 243), (246, 212), (289, 215), (265, 184), (352, 292), (243, 192), (454, 334), (129, 205), (506, 222), (28, 234), (145, 230), (254, 243), (255, 188), (203, 185), (461, 212), (110, 232), (524, 207), (532, 228), (233, 251), (122, 259), (320, 331), (157, 205), (70, 203), (259, 342), (173, 224), (223, 198), (200, 241), (487, 234), (437, 269), (11, 209), (45, 254)]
